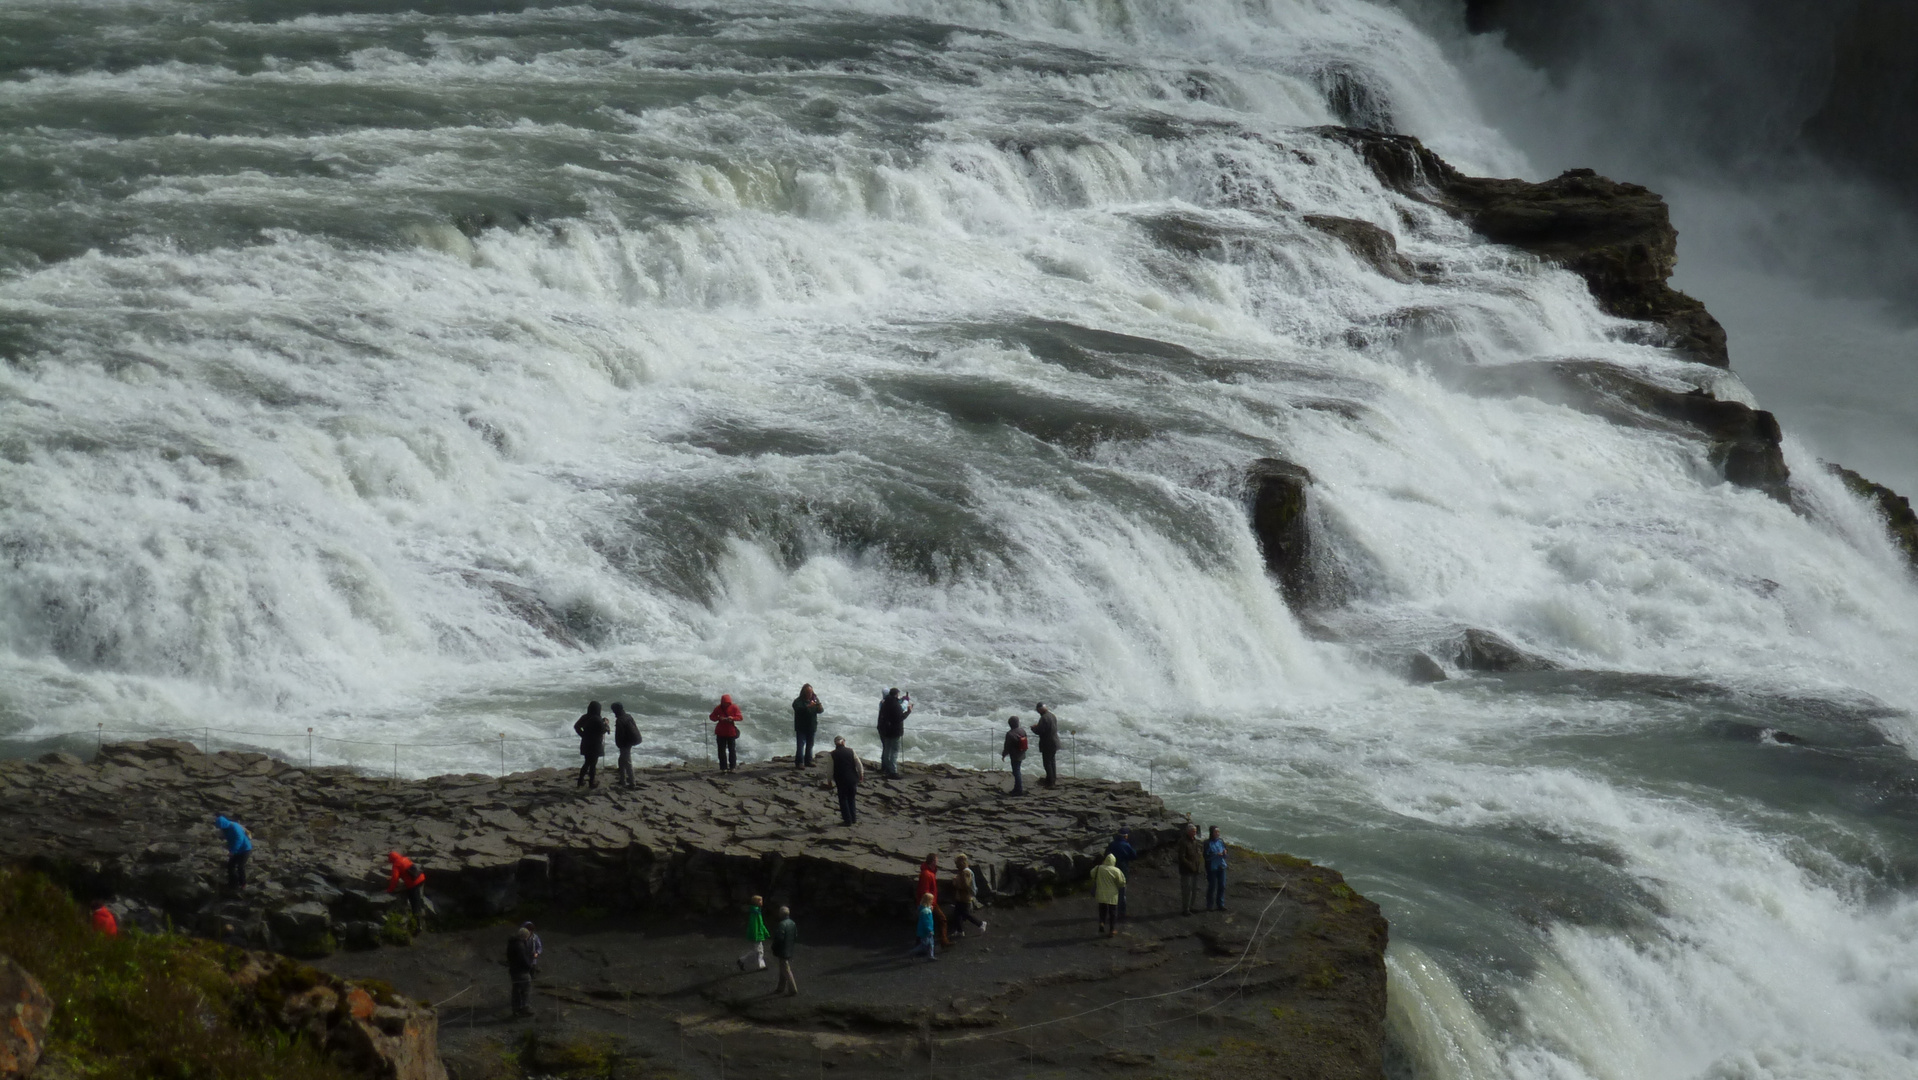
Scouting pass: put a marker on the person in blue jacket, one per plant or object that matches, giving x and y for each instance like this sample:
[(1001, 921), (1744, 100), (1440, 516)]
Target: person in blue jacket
[(238, 846), (1215, 871), (1122, 853)]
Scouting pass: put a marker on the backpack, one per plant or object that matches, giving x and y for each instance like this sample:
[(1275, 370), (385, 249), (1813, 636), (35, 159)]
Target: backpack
[(1023, 744)]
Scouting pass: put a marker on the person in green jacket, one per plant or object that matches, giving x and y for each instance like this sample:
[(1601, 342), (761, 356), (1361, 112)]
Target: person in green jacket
[(1107, 880), (756, 930), (785, 937)]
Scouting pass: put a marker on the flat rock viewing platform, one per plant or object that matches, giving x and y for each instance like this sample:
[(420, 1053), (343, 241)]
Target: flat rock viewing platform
[(640, 897)]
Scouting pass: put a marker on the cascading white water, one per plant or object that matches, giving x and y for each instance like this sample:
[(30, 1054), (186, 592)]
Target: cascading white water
[(418, 376)]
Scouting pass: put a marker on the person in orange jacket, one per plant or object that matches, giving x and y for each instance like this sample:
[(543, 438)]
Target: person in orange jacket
[(726, 718), (409, 881), (929, 886), (104, 921)]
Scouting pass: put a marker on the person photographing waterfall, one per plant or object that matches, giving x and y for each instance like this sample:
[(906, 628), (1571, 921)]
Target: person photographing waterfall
[(893, 710), (726, 719), (806, 710)]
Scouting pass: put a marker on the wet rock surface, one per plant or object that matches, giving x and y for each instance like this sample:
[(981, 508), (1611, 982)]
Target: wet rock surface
[(1896, 510), (1277, 496), (655, 879)]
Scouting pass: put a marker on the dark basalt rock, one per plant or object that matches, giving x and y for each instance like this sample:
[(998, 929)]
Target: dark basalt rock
[(1374, 246), (1482, 650), (1421, 668), (1744, 442), (1899, 518), (1618, 237), (1277, 497)]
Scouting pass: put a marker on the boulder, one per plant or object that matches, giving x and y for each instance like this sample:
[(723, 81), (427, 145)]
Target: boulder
[(1482, 650), (1277, 497), (364, 1026), (1618, 237), (1374, 246), (304, 930), (1421, 668), (1895, 508), (28, 1011)]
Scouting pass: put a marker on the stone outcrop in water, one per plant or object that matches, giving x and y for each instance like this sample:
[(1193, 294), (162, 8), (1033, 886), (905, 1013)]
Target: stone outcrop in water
[(1896, 510), (1617, 236), (1743, 442), (1277, 496)]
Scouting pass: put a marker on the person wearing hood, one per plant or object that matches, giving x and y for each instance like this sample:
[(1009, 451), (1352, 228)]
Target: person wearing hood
[(591, 729), (726, 719), (521, 963), (893, 710), (1215, 862), (806, 710), (1122, 850), (1047, 729), (625, 737), (103, 920), (1013, 749), (238, 846), (1107, 880), (407, 879)]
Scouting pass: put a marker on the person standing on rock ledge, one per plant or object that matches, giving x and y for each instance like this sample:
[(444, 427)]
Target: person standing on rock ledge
[(1107, 880), (1014, 751), (1215, 871), (806, 710), (785, 939), (625, 737), (238, 846), (726, 719), (1191, 867), (519, 968), (893, 710), (591, 729), (1122, 850), (1047, 729), (848, 772)]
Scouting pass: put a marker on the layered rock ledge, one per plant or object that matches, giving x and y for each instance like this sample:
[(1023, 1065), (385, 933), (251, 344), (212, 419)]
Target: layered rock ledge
[(652, 875)]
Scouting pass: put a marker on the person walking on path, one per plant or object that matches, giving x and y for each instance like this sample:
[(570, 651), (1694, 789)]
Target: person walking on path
[(625, 737), (726, 719), (1122, 850), (848, 772), (929, 886), (806, 710), (1014, 750), (965, 896), (1107, 880), (1191, 867), (409, 881), (104, 921), (1047, 729), (757, 934), (1214, 871), (893, 710), (591, 729), (238, 846), (923, 929), (520, 965), (785, 939)]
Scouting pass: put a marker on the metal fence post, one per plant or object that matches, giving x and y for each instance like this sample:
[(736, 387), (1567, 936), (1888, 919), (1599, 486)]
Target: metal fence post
[(502, 755), (99, 737), (309, 748), (207, 748)]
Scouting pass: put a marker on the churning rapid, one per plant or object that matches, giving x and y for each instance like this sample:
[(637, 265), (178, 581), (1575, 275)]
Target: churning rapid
[(415, 375)]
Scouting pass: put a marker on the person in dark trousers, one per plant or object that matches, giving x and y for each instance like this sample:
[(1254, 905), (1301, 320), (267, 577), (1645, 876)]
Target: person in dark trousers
[(965, 896), (1214, 871), (1014, 751), (929, 886), (520, 965), (1123, 853), (1107, 880), (409, 881), (238, 846), (591, 729), (893, 710), (848, 772), (726, 719), (785, 940), (1047, 729), (625, 737), (806, 710), (1191, 867)]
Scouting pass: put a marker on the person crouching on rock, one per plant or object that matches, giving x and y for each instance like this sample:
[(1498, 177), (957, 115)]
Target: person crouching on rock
[(785, 939), (520, 964), (756, 933), (726, 719), (238, 846), (923, 929), (1014, 751), (409, 881), (591, 729), (848, 772), (104, 921), (625, 737), (1107, 880)]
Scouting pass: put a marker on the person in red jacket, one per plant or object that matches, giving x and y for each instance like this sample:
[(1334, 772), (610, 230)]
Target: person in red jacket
[(726, 717), (104, 921), (409, 881), (929, 886)]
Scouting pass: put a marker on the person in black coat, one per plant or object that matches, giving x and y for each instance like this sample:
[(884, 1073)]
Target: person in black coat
[(1047, 729), (806, 710), (520, 963), (625, 737), (847, 774), (591, 729), (893, 710)]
